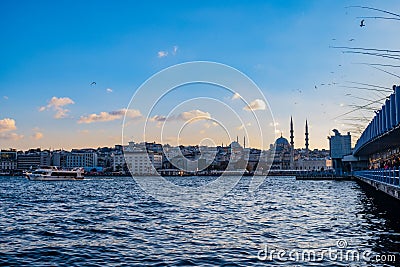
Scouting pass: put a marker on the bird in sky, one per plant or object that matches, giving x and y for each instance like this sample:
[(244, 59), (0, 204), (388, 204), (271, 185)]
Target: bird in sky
[(351, 40), (362, 23), (93, 83)]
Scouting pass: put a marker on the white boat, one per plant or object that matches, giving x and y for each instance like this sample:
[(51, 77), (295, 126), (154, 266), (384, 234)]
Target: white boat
[(54, 174)]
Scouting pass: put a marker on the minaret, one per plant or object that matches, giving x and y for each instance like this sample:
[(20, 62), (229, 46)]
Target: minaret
[(244, 141), (291, 133), (306, 138), (291, 144)]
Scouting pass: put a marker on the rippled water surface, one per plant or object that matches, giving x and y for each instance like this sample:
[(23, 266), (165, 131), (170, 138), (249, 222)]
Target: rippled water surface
[(112, 222)]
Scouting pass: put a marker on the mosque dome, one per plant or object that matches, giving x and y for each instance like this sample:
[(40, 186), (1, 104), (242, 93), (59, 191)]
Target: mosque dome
[(235, 144), (281, 143)]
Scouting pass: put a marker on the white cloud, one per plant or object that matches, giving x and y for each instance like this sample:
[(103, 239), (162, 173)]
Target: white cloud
[(7, 124), (110, 116), (11, 136), (57, 104), (158, 118), (184, 116), (109, 90), (194, 114), (102, 116), (5, 97), (257, 104), (236, 96), (37, 135), (208, 125), (130, 113), (162, 54), (175, 50)]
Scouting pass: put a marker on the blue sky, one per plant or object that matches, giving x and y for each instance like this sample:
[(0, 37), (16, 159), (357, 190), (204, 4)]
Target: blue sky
[(56, 49)]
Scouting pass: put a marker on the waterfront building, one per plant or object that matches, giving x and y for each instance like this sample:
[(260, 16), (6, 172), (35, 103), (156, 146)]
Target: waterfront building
[(104, 158), (137, 160), (58, 158), (33, 159), (339, 146), (8, 160), (81, 159), (314, 164), (143, 163)]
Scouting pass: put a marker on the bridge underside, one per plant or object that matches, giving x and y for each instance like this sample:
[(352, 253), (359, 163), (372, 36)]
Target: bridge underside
[(383, 142)]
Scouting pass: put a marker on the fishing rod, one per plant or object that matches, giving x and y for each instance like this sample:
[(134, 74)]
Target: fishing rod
[(375, 9), (378, 18), (372, 54), (371, 85), (365, 49), (366, 89), (351, 111), (377, 64), (387, 72)]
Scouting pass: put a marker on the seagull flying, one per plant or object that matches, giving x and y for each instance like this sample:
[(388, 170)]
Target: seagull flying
[(362, 23), (93, 83)]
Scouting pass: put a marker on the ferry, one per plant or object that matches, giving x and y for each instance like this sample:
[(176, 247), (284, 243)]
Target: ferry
[(51, 173)]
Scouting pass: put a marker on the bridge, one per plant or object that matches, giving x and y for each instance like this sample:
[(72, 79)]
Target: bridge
[(380, 143)]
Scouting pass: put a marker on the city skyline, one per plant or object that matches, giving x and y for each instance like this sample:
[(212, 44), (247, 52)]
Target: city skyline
[(69, 70), (241, 140)]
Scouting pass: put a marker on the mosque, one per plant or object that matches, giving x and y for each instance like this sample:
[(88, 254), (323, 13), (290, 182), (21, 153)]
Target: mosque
[(284, 151)]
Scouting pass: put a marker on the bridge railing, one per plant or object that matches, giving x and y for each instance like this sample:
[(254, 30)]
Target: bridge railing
[(389, 176)]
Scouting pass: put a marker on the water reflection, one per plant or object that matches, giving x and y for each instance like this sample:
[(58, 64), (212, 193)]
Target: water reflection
[(111, 222)]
